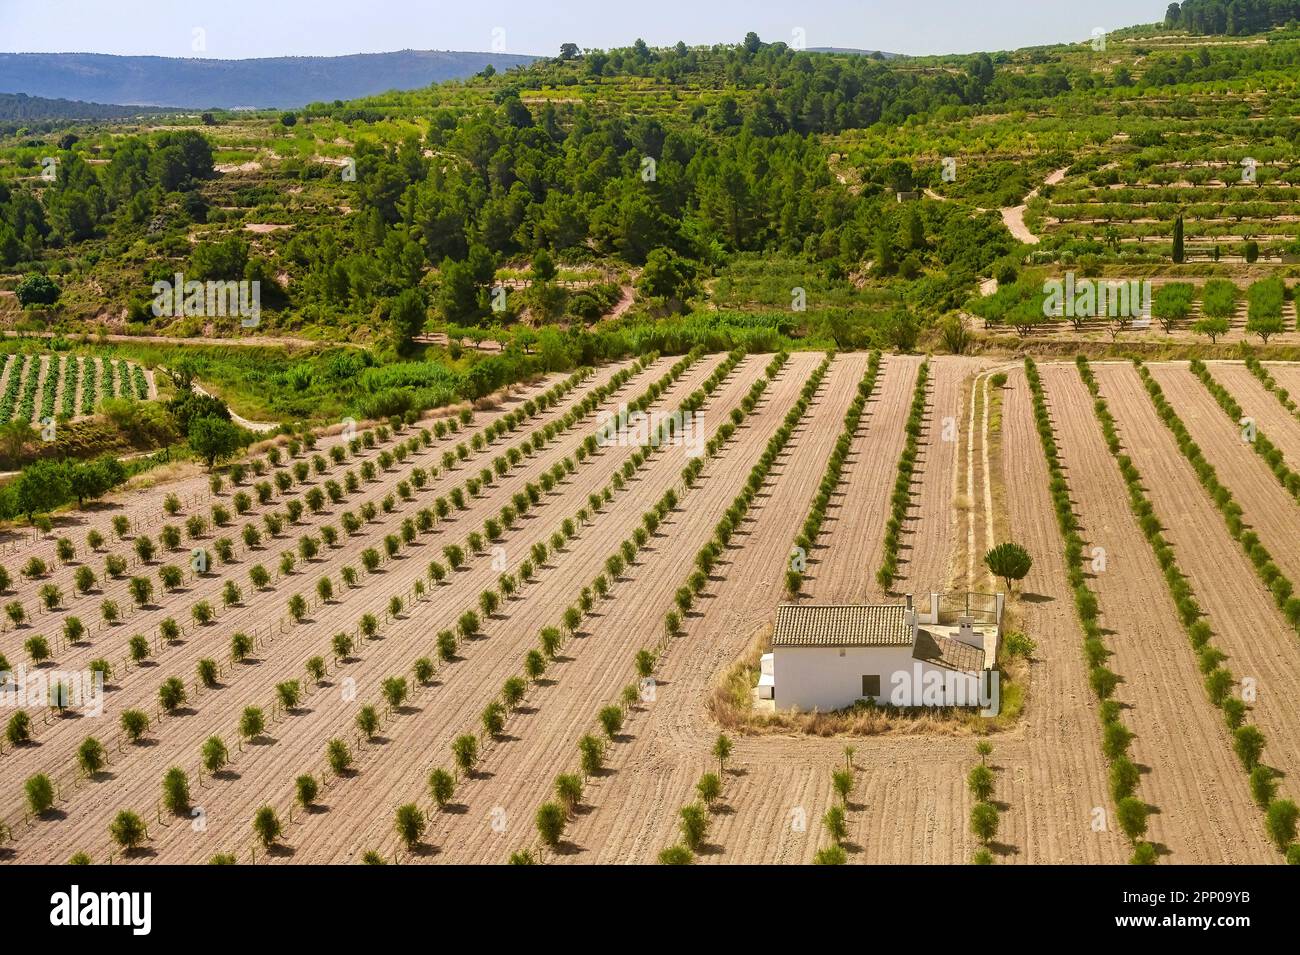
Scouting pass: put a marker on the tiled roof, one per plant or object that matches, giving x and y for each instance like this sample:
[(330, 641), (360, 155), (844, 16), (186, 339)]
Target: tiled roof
[(947, 652), (851, 625)]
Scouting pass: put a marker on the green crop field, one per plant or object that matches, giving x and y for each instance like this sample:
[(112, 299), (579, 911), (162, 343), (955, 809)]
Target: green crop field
[(35, 387)]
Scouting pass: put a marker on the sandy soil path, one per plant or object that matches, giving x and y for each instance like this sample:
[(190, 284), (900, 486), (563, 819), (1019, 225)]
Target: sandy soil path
[(1013, 217)]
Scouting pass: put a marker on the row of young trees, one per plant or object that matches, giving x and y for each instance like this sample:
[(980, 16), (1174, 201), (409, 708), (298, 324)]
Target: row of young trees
[(695, 818), (1248, 741), (1123, 775), (172, 694), (901, 499), (411, 822), (981, 781), (836, 819), (551, 817), (806, 539), (1270, 384), (467, 748), (494, 527), (1279, 586), (1262, 446), (706, 559), (171, 576), (189, 406)]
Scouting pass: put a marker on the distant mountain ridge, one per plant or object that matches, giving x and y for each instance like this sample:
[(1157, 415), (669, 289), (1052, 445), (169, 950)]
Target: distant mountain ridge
[(283, 82)]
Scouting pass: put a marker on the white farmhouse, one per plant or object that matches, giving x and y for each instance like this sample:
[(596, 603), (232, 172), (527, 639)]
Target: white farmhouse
[(828, 657)]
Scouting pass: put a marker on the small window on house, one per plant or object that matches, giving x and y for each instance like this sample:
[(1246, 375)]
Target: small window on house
[(871, 684)]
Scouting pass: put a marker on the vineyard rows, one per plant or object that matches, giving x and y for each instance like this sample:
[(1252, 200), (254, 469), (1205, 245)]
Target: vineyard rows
[(36, 387)]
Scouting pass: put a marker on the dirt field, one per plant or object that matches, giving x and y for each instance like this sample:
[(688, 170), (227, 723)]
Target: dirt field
[(176, 740), (1181, 739), (910, 803)]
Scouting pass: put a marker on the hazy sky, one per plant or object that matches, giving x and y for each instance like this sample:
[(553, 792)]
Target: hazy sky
[(236, 29)]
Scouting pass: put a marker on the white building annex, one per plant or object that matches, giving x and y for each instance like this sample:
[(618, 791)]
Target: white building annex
[(829, 657)]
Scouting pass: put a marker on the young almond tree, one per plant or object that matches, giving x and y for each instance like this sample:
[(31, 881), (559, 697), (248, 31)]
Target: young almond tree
[(984, 822), (214, 754), (306, 789), (176, 791), (842, 783), (835, 821), (551, 819), (464, 749), (693, 822), (338, 756), (289, 694), (252, 723), (676, 855), (368, 721), (611, 721), (592, 755), (442, 787), (39, 791), (395, 691), (127, 830), (568, 790), (134, 723), (493, 718), (722, 752), (709, 788), (171, 695), (410, 825), (266, 826), (91, 756)]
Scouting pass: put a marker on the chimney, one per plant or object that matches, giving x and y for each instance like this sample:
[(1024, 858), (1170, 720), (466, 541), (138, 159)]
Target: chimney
[(966, 632), (909, 602)]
